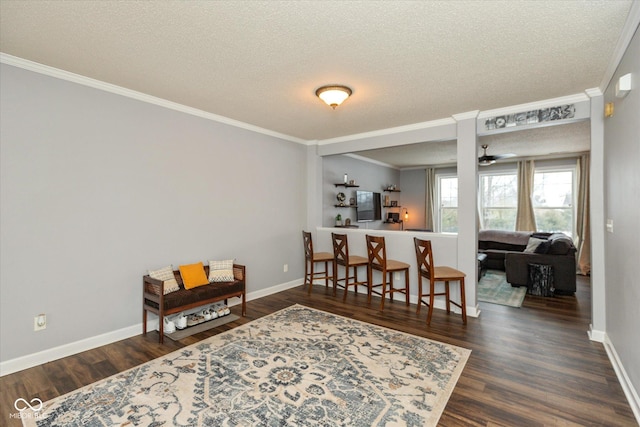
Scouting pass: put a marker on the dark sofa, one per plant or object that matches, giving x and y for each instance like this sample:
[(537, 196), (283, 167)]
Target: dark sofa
[(505, 251)]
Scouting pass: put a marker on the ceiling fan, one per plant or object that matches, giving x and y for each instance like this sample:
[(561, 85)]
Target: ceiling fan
[(486, 160)]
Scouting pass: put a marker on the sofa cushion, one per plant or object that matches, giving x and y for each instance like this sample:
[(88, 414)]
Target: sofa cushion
[(543, 247), (561, 244), (503, 240), (166, 275)]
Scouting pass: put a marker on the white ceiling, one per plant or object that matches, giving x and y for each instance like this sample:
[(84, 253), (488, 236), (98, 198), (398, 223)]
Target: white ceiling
[(260, 62)]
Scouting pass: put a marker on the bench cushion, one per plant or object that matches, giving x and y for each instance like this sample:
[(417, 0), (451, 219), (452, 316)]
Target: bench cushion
[(185, 297)]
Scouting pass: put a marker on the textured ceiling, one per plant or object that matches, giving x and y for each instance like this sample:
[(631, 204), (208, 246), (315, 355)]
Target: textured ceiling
[(260, 62)]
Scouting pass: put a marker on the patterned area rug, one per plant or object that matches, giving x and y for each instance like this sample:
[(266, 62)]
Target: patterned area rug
[(493, 288), (297, 367)]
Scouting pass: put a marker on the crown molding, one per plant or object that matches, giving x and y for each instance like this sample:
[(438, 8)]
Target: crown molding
[(368, 160), (630, 26), (466, 116), (388, 131), (139, 96), (593, 92)]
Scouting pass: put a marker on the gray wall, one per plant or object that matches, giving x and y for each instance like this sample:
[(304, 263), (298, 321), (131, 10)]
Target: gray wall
[(96, 188), (622, 204), (369, 176), (414, 196)]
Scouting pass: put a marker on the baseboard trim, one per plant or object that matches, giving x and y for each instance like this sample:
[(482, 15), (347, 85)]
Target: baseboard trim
[(44, 356), (624, 380), (438, 303), (272, 290), (596, 335), (65, 350)]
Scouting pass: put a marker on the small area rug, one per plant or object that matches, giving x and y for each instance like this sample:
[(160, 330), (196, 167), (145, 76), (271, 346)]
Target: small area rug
[(493, 288), (298, 367)]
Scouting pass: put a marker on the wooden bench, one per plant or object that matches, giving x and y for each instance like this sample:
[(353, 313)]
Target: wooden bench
[(155, 301)]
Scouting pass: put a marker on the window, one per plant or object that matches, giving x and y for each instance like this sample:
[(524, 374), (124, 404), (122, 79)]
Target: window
[(447, 203), (553, 200), (499, 200), (553, 205)]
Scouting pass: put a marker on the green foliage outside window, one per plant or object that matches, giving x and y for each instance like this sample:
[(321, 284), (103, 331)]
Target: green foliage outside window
[(449, 220)]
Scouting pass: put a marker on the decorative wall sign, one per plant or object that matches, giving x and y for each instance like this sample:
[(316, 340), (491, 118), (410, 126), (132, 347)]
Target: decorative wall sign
[(530, 117)]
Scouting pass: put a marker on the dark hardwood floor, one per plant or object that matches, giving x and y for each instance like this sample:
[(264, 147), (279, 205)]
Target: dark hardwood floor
[(529, 366)]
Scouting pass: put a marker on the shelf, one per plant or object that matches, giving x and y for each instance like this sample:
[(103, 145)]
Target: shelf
[(386, 190), (346, 185), (389, 206), (345, 206)]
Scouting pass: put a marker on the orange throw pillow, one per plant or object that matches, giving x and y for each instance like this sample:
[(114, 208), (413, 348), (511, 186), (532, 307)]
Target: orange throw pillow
[(193, 275)]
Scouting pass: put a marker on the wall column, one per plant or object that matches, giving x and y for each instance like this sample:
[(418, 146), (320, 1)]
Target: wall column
[(598, 326), (467, 205), (314, 188)]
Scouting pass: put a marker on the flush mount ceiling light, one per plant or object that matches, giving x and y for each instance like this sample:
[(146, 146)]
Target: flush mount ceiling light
[(333, 95)]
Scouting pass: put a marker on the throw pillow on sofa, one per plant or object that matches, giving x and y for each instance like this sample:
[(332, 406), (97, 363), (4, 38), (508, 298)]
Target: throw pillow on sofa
[(221, 271), (193, 275), (561, 244), (543, 247), (166, 275), (533, 244)]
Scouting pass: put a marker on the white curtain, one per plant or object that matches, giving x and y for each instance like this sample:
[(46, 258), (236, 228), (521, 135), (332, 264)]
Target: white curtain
[(430, 191), (525, 218), (583, 236)]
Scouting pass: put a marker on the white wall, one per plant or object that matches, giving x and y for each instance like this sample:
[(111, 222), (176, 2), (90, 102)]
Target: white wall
[(468, 201), (622, 204), (96, 188)]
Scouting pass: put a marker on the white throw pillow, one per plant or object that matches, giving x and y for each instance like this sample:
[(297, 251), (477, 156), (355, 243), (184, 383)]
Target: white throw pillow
[(221, 271), (533, 244), (166, 275)]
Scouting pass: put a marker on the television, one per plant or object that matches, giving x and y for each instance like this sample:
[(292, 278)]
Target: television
[(368, 206)]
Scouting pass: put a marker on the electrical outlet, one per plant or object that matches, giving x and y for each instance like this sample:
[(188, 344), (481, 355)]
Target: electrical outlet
[(40, 322), (285, 268)]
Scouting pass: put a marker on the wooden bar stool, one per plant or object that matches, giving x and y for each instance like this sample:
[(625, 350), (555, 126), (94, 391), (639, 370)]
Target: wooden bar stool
[(426, 269), (342, 257), (377, 255), (310, 260)]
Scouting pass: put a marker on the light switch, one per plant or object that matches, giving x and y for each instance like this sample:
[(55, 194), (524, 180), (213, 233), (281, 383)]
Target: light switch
[(610, 225)]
